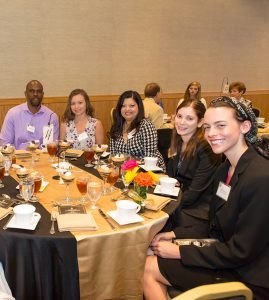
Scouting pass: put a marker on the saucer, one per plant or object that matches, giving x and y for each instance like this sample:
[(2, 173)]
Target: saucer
[(29, 226), (122, 220), (156, 168), (173, 192)]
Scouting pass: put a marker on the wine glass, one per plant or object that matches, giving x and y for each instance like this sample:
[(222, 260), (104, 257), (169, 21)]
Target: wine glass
[(125, 182), (52, 149), (7, 164), (95, 189), (104, 171), (89, 156), (32, 146), (118, 159), (27, 188), (67, 177), (21, 173), (82, 182), (64, 145), (112, 178), (37, 178), (99, 150), (2, 172)]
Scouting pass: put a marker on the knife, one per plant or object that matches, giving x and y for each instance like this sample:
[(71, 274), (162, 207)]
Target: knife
[(106, 218)]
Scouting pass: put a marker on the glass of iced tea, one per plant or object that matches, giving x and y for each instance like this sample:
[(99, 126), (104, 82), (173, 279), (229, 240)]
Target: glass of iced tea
[(82, 182), (52, 149), (112, 178), (89, 156), (37, 178)]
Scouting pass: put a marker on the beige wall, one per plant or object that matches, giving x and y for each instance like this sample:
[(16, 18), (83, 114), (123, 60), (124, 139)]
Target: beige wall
[(108, 46)]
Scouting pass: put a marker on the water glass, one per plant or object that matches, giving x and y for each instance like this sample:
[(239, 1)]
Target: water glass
[(27, 188), (7, 164), (95, 190)]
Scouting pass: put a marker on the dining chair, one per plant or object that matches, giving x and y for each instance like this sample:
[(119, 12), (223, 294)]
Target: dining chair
[(164, 141), (256, 112), (112, 115), (5, 292), (227, 290)]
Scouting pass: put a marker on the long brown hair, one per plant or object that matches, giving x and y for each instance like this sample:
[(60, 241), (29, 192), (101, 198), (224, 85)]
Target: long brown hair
[(68, 114), (187, 95), (177, 142)]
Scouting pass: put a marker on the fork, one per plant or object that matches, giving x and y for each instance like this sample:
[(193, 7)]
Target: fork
[(53, 219)]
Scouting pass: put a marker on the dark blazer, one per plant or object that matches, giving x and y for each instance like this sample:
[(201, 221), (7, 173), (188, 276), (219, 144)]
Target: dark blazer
[(240, 224), (196, 176)]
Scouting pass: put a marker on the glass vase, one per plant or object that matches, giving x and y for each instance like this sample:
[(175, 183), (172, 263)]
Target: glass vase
[(142, 192)]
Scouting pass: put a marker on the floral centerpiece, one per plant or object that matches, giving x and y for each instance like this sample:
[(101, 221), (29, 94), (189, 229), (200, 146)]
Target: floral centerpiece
[(142, 180)]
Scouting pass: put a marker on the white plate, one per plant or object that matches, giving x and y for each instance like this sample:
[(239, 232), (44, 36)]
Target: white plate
[(173, 192), (124, 221), (29, 226), (150, 169)]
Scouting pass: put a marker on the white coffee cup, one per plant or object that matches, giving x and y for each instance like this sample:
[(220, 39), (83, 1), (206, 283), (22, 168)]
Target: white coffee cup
[(127, 208), (167, 184), (150, 162), (24, 213), (165, 116), (260, 120)]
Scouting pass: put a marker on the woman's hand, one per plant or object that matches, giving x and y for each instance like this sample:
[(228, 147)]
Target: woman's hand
[(163, 236), (166, 250)]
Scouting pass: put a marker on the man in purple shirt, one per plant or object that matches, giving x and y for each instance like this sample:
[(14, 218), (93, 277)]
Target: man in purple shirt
[(29, 121)]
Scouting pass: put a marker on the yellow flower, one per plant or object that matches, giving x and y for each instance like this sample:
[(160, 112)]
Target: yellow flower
[(155, 177), (130, 174)]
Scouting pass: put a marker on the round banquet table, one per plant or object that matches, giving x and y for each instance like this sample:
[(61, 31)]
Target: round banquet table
[(98, 264)]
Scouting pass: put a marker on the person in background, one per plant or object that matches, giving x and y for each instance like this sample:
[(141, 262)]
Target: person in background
[(193, 92), (237, 90), (153, 111), (25, 122), (193, 163), (78, 124), (132, 133), (239, 249)]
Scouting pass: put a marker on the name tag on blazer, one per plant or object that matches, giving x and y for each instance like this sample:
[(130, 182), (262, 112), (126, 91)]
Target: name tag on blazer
[(223, 191)]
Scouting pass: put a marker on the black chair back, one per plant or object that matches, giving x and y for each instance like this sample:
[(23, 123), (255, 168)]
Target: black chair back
[(256, 111), (164, 142)]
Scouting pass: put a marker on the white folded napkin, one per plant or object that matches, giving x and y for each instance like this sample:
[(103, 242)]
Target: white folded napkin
[(74, 222)]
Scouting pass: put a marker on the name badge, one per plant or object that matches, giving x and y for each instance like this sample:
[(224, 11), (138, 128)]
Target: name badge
[(31, 128), (82, 136), (223, 191), (48, 131)]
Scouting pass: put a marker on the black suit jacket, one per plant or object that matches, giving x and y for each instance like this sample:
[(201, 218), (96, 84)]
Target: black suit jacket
[(241, 223), (196, 176)]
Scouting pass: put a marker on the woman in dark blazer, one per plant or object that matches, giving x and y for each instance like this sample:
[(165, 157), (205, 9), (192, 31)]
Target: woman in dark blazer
[(193, 164), (238, 215)]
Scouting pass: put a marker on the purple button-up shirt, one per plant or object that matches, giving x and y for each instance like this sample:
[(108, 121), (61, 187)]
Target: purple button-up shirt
[(14, 130)]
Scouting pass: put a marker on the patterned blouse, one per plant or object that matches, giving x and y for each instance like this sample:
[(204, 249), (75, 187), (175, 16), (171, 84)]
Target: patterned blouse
[(140, 143), (72, 134)]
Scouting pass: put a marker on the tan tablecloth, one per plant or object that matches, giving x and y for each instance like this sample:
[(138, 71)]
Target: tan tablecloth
[(111, 263)]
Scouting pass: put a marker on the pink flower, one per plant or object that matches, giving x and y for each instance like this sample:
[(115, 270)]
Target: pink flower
[(129, 165)]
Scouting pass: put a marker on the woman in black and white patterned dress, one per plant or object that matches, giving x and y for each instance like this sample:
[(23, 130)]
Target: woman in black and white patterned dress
[(132, 133)]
